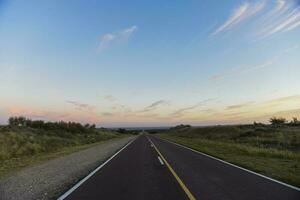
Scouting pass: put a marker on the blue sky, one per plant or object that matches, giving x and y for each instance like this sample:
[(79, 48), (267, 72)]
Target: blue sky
[(145, 63)]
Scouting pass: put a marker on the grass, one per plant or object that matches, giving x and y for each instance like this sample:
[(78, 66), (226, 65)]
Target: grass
[(272, 151), (22, 146)]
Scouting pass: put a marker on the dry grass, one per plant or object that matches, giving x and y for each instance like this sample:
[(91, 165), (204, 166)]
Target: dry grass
[(273, 151), (21, 147)]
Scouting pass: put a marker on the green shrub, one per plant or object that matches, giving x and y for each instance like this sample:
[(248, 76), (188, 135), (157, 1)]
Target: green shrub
[(30, 138)]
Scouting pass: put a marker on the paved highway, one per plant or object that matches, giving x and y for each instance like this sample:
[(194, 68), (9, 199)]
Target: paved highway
[(152, 168)]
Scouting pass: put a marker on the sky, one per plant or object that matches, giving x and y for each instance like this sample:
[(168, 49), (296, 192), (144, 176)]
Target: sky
[(150, 63)]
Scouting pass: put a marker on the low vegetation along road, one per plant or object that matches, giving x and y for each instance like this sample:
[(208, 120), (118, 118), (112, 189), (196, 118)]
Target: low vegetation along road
[(153, 168)]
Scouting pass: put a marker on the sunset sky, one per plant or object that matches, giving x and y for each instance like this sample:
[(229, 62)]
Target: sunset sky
[(150, 63)]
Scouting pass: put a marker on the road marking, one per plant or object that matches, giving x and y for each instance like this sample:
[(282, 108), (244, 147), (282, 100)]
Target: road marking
[(182, 185), (93, 172), (233, 165), (161, 162)]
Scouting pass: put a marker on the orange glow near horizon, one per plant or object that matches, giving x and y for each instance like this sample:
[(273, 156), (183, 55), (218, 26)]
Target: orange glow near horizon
[(233, 114)]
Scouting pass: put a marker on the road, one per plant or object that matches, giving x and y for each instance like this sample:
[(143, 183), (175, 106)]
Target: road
[(152, 168)]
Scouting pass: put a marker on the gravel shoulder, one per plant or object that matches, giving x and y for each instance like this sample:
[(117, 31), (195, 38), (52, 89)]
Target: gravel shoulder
[(50, 179)]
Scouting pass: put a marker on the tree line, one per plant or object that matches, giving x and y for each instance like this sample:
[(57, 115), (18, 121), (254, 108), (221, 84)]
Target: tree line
[(282, 121), (74, 127)]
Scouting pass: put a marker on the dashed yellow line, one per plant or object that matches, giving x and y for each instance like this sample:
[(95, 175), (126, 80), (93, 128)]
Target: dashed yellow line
[(182, 185)]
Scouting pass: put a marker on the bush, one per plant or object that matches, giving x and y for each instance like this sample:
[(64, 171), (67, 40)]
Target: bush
[(72, 127), (277, 121), (44, 137), (295, 122), (17, 121)]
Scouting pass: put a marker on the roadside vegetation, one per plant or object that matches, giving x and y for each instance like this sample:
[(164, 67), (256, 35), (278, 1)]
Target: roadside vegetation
[(25, 142), (272, 150)]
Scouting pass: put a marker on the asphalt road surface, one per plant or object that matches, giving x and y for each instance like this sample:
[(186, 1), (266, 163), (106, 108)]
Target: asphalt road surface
[(152, 168)]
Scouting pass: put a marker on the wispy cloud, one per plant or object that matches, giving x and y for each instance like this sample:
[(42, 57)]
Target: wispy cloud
[(280, 16), (279, 6), (106, 40), (247, 112), (154, 105), (109, 39), (240, 14), (181, 111), (51, 115), (239, 106), (287, 113), (157, 103), (283, 17), (290, 49), (81, 106), (107, 114), (110, 98), (284, 99), (36, 113), (242, 70), (289, 21)]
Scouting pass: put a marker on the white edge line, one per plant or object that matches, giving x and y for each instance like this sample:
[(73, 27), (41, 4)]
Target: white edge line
[(233, 165), (160, 160), (93, 172)]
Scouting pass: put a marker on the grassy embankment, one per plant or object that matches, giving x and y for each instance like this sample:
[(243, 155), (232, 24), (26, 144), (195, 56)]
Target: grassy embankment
[(269, 150), (22, 146)]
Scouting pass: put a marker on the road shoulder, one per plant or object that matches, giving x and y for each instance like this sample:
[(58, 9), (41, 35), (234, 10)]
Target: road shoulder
[(49, 179)]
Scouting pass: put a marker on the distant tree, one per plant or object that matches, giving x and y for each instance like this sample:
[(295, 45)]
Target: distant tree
[(295, 121), (71, 127), (38, 124), (12, 121), (17, 121), (22, 121), (49, 125), (28, 122), (277, 121), (93, 126), (258, 124), (87, 125)]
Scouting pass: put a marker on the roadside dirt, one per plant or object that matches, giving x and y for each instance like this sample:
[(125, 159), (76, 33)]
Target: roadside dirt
[(50, 179)]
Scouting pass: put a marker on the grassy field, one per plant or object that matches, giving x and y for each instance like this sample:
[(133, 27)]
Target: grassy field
[(25, 146), (269, 150)]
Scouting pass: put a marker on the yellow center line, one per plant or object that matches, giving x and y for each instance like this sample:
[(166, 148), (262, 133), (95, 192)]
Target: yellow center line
[(182, 185)]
